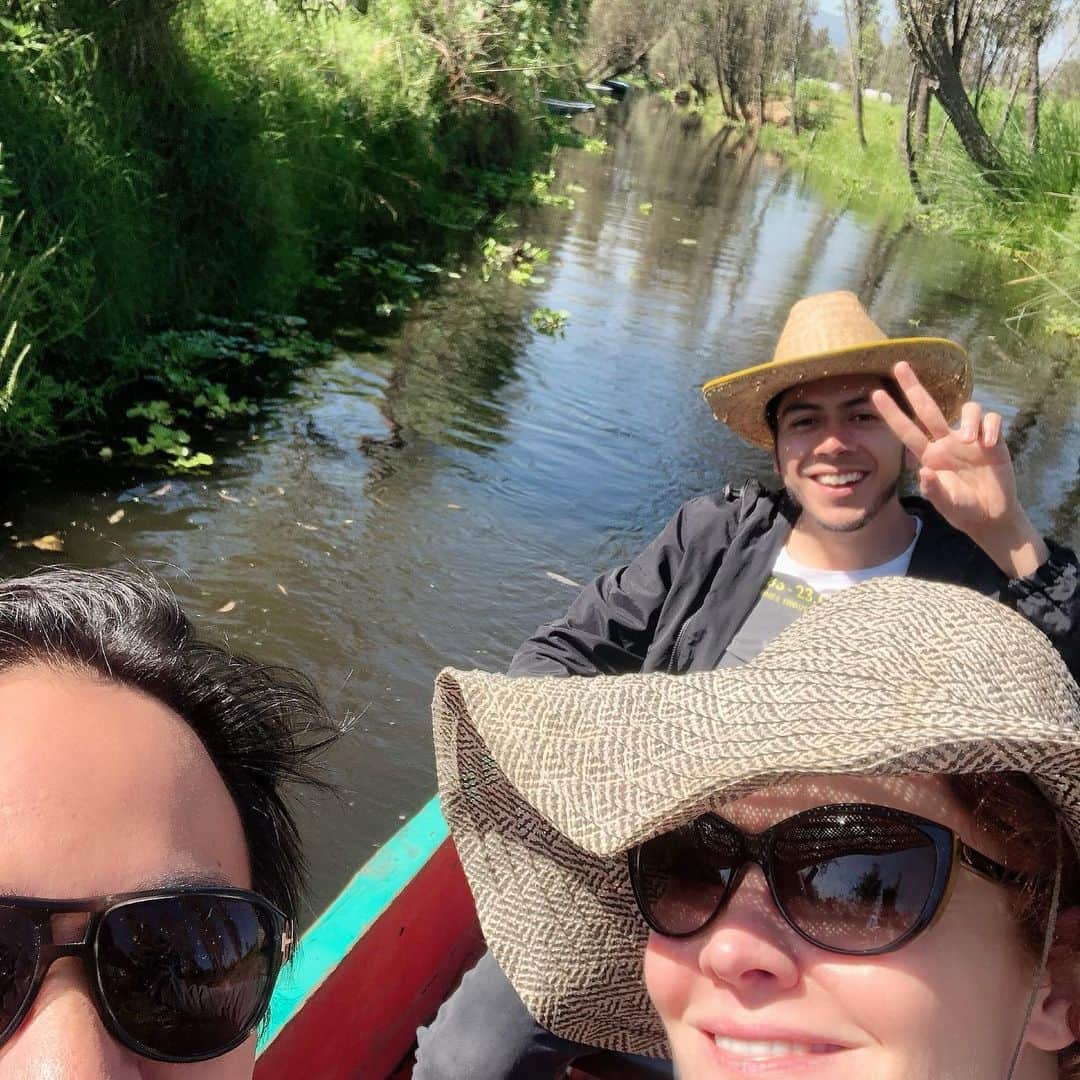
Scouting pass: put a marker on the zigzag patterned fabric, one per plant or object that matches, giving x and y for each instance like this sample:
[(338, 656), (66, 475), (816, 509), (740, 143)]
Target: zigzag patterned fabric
[(547, 783)]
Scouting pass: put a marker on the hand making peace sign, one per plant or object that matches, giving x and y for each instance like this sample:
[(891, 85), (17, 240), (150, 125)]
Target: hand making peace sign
[(966, 472)]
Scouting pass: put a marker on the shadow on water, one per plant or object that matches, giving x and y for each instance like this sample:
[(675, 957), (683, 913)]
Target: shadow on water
[(407, 508)]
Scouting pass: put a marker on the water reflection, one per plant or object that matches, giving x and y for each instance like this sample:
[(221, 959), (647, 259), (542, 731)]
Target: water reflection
[(407, 507)]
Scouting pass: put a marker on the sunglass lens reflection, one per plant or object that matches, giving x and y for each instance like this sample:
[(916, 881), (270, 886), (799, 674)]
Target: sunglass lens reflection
[(19, 947), (856, 883), (683, 876), (186, 976)]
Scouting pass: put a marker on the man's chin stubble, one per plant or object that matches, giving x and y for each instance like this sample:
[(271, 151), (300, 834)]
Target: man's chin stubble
[(858, 523)]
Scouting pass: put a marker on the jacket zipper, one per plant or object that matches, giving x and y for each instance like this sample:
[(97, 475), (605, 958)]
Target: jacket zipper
[(675, 647)]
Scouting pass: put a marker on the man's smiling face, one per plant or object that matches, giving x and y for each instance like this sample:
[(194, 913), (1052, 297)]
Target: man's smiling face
[(835, 455)]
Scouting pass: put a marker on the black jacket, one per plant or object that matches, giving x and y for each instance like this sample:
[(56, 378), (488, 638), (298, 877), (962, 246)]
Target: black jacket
[(677, 606)]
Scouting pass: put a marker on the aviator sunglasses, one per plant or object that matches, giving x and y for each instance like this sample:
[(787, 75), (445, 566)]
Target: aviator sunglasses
[(851, 878), (177, 975)]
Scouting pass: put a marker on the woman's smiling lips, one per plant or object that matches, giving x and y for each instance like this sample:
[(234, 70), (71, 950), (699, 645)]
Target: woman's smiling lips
[(763, 1051)]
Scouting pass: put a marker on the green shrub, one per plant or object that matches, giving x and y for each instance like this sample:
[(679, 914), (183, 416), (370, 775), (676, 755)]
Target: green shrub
[(815, 105), (220, 155)]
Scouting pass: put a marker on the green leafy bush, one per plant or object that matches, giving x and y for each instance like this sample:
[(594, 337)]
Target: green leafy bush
[(229, 156), (815, 105)]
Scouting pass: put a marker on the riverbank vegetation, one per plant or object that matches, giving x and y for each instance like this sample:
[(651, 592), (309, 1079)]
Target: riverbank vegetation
[(1032, 222), (169, 169), (178, 175), (943, 111)]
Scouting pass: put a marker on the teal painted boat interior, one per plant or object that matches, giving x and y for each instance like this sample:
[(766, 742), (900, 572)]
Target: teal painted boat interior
[(371, 891)]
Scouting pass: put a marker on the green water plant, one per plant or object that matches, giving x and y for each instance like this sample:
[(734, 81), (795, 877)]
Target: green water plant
[(207, 377), (542, 195), (517, 260), (389, 277), (549, 321)]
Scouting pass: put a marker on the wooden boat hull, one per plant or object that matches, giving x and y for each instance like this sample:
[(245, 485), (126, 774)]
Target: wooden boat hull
[(377, 963)]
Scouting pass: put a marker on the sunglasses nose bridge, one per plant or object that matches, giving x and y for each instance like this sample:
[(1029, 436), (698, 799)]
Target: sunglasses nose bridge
[(69, 928), (756, 849)]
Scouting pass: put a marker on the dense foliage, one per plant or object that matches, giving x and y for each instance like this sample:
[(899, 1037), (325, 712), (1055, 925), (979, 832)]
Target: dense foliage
[(165, 160)]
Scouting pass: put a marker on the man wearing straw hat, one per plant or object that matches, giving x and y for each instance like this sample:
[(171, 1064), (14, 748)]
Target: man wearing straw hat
[(840, 407)]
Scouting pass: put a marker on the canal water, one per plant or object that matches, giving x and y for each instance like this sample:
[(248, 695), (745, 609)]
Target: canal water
[(427, 503)]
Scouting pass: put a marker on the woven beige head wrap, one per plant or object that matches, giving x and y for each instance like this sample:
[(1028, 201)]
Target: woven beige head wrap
[(547, 782)]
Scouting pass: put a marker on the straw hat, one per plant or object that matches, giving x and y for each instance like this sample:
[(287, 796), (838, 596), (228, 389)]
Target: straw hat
[(833, 334), (546, 783)]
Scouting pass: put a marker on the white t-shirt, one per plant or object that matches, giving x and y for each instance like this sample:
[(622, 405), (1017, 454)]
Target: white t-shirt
[(791, 589)]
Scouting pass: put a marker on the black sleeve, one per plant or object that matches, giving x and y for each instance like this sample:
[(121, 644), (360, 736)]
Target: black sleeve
[(1050, 598), (609, 627)]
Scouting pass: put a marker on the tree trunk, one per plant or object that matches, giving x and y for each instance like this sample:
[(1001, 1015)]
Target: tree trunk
[(740, 98), (1031, 113), (940, 58), (922, 112), (856, 101), (795, 94), (761, 98), (796, 41), (957, 106), (916, 85), (725, 98), (854, 20), (1004, 122)]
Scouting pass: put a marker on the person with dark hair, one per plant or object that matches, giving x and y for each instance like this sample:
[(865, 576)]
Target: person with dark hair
[(840, 407), (151, 867)]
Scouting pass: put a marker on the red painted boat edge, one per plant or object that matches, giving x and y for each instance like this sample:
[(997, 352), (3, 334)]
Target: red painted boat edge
[(361, 1016)]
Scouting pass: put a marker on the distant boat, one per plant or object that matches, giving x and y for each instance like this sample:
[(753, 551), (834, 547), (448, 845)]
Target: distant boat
[(378, 963), (558, 107), (619, 88)]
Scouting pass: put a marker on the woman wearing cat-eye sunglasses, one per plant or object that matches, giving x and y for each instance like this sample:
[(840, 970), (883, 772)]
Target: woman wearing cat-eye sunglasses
[(851, 926), (150, 868), (856, 857)]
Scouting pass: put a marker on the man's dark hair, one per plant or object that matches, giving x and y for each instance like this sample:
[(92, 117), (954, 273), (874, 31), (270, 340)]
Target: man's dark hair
[(772, 407), (262, 726)]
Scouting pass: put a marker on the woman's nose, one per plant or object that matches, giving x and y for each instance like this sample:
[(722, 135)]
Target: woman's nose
[(63, 1037), (749, 946)]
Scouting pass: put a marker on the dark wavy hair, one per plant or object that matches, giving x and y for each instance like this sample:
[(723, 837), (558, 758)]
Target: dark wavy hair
[(263, 727)]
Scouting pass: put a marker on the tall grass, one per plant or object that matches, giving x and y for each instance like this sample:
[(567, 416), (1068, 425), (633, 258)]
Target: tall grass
[(832, 150), (19, 278), (211, 156), (1035, 219), (1041, 191)]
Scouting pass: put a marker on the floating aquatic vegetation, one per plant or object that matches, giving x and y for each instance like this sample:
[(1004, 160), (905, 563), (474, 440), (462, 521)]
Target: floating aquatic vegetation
[(519, 260), (549, 321)]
